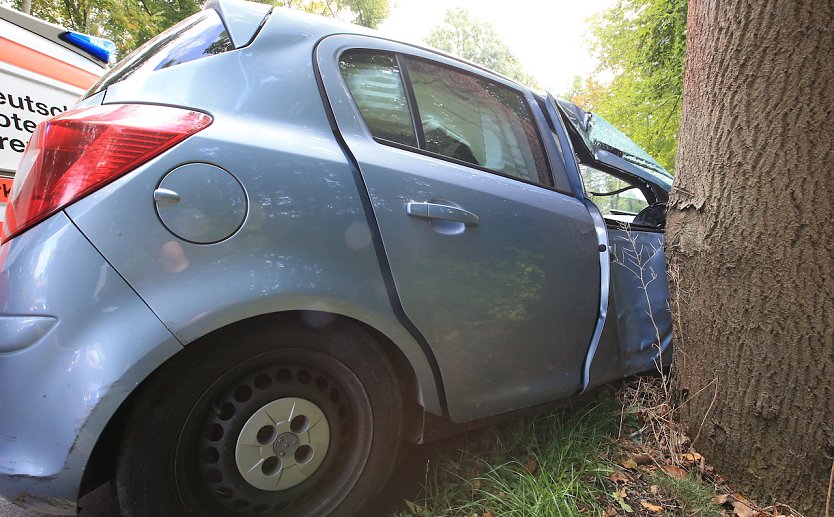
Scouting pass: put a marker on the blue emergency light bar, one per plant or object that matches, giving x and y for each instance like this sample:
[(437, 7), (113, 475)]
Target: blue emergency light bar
[(99, 48)]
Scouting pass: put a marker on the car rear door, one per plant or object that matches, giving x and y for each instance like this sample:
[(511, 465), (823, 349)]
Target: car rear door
[(494, 261)]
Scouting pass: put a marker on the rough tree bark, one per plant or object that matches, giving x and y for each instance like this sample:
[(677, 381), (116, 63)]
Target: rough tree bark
[(750, 245)]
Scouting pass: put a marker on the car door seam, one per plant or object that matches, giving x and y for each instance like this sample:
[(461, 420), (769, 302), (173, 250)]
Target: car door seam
[(376, 238)]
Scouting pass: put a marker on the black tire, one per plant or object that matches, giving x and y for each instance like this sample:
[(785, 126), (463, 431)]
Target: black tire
[(177, 455)]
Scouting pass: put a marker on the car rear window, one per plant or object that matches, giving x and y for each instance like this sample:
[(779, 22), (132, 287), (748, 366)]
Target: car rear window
[(196, 37)]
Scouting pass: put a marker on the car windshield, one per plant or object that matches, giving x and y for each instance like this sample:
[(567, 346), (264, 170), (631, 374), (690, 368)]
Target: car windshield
[(598, 134), (607, 137)]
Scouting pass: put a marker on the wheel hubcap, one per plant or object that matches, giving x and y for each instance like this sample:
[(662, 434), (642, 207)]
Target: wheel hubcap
[(282, 444)]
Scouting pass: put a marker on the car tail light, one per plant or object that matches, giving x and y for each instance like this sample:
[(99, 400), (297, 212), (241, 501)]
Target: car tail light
[(80, 151)]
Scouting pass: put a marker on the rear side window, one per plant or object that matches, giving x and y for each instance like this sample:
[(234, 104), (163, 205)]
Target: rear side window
[(375, 82), (472, 119), (446, 112), (196, 37)]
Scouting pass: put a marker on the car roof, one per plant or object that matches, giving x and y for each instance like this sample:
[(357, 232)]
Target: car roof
[(318, 27)]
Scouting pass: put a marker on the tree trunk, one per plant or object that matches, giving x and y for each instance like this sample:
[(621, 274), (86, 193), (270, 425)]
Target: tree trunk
[(750, 245), (26, 6)]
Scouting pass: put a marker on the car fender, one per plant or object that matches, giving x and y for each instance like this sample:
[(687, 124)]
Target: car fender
[(70, 376), (305, 244)]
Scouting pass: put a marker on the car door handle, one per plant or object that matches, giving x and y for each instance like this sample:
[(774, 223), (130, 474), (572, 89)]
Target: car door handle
[(441, 212)]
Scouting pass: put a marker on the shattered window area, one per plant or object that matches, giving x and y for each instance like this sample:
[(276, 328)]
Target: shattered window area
[(616, 199)]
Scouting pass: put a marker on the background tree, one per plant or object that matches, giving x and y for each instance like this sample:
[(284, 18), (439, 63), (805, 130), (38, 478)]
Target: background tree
[(750, 245), (467, 37), (369, 13), (129, 23), (640, 45)]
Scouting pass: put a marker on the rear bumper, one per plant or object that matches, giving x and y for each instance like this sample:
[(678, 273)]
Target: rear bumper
[(75, 340)]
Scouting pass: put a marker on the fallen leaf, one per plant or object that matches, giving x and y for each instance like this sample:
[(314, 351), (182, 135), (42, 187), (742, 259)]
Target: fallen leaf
[(532, 466), (414, 508), (617, 477), (721, 499), (674, 472), (611, 511), (619, 496), (654, 489), (651, 507), (629, 464), (642, 458), (487, 514), (693, 457), (742, 510), (476, 483)]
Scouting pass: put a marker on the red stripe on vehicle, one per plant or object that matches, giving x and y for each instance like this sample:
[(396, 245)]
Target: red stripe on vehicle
[(24, 57)]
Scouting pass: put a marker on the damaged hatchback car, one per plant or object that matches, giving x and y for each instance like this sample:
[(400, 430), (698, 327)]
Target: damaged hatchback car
[(267, 250)]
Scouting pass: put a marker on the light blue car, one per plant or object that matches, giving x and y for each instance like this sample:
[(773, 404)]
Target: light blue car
[(268, 249)]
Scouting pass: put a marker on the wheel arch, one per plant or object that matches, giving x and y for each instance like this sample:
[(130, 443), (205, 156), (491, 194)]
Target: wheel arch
[(102, 459)]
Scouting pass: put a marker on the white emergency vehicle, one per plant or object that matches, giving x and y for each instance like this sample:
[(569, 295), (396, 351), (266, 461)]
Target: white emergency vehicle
[(44, 69)]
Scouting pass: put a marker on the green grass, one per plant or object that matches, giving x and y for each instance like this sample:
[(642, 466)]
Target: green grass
[(566, 451), (560, 465), (689, 494)]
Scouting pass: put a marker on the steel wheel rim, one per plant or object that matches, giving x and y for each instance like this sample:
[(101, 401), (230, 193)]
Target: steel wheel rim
[(282, 444), (209, 443)]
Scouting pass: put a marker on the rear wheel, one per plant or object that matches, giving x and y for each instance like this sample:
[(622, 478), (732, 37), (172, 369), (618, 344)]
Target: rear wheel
[(298, 422)]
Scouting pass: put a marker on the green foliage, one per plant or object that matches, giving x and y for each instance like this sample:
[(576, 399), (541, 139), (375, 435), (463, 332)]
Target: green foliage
[(558, 464), (691, 496), (129, 23), (369, 13), (465, 36), (547, 465), (640, 43)]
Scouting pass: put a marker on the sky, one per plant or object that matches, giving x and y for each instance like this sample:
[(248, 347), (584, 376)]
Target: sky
[(547, 36)]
